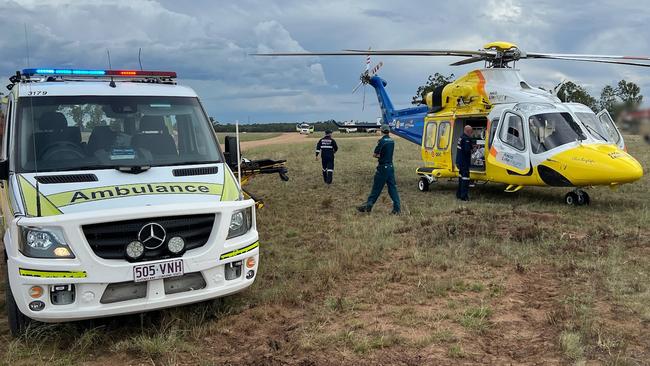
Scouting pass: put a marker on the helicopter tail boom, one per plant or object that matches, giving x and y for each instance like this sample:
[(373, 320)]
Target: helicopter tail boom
[(406, 123)]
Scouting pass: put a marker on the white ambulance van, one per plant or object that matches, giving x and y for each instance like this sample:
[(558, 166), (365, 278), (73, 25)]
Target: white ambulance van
[(115, 198)]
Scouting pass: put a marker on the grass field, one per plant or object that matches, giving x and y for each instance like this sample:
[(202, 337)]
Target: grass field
[(249, 136), (504, 279)]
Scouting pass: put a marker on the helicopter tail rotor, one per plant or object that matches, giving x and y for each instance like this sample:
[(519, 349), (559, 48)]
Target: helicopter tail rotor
[(365, 77)]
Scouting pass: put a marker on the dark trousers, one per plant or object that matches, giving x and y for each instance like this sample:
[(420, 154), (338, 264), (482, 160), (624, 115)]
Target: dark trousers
[(463, 184), (385, 175), (328, 169)]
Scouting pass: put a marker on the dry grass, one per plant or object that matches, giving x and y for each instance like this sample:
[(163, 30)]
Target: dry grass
[(503, 279)]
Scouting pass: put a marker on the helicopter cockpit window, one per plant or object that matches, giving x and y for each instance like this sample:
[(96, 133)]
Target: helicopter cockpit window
[(604, 131), (550, 130), (512, 132), (430, 136)]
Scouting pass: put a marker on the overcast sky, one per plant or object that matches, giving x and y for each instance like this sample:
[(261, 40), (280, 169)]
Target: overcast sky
[(207, 42)]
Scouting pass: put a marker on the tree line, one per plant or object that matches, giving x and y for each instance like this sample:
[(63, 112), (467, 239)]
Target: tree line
[(623, 96), (272, 127)]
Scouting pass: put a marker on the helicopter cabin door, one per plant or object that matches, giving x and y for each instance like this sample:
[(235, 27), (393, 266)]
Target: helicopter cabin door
[(613, 135), (510, 147)]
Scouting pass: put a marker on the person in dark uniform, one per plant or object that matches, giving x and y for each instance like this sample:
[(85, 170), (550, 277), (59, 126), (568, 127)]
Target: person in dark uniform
[(327, 147), (463, 161), (385, 174)]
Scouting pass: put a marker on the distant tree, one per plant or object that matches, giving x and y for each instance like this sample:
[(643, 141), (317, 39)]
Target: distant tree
[(572, 92), (433, 82), (608, 99), (625, 96), (630, 94)]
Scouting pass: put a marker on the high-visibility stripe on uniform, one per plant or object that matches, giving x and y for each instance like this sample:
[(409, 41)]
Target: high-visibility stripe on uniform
[(51, 274), (239, 251)]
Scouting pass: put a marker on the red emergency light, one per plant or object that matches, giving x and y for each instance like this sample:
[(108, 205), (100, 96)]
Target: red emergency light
[(129, 73)]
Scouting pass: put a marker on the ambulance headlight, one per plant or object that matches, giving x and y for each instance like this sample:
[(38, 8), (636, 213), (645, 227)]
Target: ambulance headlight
[(240, 222), (44, 243)]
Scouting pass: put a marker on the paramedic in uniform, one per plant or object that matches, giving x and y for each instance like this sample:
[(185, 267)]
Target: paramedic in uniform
[(385, 174), (327, 147), (463, 161)]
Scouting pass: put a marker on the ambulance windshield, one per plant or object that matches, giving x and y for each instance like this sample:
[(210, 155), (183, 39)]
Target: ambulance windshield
[(99, 132)]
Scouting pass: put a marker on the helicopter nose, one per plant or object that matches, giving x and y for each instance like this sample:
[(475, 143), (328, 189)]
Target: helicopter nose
[(588, 165)]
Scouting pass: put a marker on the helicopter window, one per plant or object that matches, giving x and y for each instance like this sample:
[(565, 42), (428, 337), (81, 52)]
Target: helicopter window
[(601, 131), (493, 130), (512, 132), (430, 139), (443, 135), (550, 130), (609, 126)]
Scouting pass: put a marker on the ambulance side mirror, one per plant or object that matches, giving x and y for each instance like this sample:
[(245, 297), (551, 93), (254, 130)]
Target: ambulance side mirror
[(4, 169), (230, 153)]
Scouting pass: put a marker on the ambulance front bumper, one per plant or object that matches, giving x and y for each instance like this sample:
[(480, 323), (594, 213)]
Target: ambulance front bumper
[(106, 287)]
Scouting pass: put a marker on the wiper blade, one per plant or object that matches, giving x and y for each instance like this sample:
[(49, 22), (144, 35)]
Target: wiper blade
[(596, 132)]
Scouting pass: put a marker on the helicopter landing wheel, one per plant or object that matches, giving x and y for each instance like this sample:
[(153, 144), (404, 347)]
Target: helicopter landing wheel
[(423, 184), (577, 198), (583, 197), (571, 199)]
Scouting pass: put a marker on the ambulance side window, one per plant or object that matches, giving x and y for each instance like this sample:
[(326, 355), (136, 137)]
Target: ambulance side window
[(512, 131), (430, 136), (443, 136)]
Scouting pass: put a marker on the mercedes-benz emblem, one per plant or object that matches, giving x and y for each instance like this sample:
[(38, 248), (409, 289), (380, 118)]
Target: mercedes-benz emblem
[(152, 235)]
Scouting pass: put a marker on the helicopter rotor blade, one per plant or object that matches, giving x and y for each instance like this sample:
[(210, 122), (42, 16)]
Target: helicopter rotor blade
[(375, 69), (615, 62), (600, 57), (363, 103), (467, 61), (357, 87), (422, 52)]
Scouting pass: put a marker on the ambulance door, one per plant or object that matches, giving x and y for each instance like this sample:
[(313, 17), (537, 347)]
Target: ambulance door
[(510, 146)]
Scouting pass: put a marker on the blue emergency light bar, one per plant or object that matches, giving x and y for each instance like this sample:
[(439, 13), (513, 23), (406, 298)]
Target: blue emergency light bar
[(84, 72)]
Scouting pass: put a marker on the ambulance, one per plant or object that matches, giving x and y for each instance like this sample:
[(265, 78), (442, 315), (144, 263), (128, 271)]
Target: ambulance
[(115, 198)]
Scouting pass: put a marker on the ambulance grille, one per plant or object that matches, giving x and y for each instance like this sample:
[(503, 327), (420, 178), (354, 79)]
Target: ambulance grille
[(109, 239)]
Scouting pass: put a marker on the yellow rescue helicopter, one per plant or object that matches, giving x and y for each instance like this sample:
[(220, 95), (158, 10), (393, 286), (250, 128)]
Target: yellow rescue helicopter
[(525, 136)]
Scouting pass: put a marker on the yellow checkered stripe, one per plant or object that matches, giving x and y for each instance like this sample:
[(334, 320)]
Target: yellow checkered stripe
[(239, 251), (52, 274)]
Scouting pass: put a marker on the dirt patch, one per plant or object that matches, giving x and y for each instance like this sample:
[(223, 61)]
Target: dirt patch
[(285, 138)]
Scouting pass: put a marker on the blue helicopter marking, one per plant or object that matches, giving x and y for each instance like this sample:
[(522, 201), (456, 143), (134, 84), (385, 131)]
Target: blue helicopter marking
[(406, 123)]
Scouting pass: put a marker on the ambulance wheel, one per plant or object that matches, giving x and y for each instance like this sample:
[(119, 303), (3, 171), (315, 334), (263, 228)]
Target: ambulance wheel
[(423, 184), (18, 322), (571, 199)]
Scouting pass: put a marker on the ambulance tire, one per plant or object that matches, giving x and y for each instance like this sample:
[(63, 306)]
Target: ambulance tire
[(18, 322)]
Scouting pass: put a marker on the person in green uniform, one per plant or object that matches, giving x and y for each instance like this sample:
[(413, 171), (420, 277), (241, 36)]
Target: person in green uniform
[(385, 174)]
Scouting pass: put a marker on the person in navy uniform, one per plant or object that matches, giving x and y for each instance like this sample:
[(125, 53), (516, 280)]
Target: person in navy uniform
[(327, 147), (385, 174), (463, 161)]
